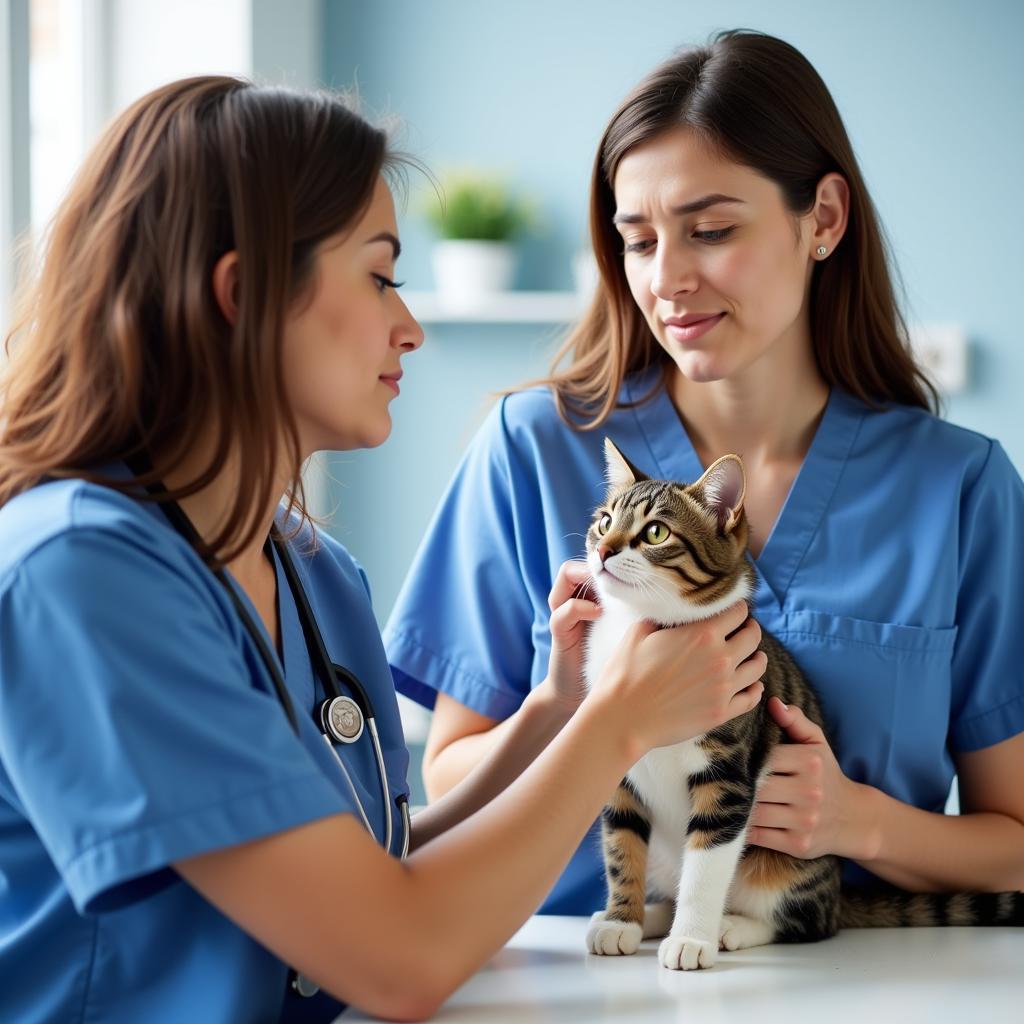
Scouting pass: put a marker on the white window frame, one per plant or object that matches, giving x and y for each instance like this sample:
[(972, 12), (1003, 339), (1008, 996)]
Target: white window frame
[(14, 142)]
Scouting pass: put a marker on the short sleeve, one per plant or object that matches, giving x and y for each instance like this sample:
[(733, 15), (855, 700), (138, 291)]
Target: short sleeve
[(988, 678), (130, 725), (462, 622)]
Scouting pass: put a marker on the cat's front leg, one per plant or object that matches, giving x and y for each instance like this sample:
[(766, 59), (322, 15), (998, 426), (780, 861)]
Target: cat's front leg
[(693, 939), (626, 831), (715, 840)]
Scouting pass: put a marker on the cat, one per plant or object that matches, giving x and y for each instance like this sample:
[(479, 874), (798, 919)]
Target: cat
[(674, 831)]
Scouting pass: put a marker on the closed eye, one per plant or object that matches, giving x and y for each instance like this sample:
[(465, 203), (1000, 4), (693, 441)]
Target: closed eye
[(638, 246), (710, 236), (384, 283), (715, 235)]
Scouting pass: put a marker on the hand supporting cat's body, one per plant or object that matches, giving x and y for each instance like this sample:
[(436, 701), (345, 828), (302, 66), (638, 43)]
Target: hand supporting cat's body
[(675, 830)]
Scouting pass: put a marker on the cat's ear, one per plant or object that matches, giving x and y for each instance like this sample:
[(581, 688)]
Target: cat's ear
[(619, 471), (724, 486)]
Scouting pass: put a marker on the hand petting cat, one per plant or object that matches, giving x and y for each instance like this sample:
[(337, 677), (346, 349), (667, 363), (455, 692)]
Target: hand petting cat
[(572, 607), (807, 807)]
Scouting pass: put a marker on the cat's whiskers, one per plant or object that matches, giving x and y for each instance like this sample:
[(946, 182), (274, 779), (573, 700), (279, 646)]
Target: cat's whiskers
[(660, 588), (650, 586), (587, 585)]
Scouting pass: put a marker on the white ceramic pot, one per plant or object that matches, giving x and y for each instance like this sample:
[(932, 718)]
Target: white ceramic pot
[(469, 272)]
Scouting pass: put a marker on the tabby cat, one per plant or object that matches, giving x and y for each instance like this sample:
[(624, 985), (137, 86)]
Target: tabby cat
[(674, 832)]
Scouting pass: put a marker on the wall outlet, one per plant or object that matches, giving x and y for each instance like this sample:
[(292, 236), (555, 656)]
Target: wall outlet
[(941, 349)]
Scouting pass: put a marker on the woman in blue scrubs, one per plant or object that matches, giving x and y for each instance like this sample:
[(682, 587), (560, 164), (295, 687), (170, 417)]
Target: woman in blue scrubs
[(745, 305), (216, 303)]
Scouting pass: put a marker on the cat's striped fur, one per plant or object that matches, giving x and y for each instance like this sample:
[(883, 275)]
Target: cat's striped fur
[(674, 831)]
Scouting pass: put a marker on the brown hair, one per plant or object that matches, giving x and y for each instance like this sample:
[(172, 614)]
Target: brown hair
[(121, 346), (758, 101)]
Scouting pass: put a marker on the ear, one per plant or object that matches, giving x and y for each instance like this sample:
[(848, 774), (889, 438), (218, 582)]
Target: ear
[(225, 285), (724, 485), (831, 214), (619, 471)]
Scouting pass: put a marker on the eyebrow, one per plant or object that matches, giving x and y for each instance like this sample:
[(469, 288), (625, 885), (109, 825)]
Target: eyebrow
[(693, 207), (386, 236)]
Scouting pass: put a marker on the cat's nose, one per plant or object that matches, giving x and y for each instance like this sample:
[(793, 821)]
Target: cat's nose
[(603, 551)]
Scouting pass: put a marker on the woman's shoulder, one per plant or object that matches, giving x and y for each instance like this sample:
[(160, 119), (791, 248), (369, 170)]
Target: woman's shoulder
[(329, 563), (68, 513), (932, 443), (533, 415)]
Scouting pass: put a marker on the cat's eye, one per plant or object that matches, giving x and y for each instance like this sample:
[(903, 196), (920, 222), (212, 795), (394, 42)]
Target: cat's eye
[(656, 533), (604, 524)]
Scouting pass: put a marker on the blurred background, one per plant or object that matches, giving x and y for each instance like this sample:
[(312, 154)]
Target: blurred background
[(931, 91)]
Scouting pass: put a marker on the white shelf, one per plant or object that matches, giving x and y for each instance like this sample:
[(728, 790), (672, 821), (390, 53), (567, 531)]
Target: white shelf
[(500, 308), (941, 348)]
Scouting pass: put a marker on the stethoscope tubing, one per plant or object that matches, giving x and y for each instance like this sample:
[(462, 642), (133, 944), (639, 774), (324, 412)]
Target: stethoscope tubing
[(328, 671)]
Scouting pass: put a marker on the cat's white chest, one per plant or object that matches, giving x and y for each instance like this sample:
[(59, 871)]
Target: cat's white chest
[(660, 779), (660, 775), (604, 637)]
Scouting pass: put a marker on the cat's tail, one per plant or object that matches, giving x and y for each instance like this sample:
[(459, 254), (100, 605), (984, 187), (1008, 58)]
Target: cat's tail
[(892, 908)]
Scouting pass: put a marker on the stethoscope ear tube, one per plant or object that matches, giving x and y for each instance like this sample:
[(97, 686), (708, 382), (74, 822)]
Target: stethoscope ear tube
[(339, 717)]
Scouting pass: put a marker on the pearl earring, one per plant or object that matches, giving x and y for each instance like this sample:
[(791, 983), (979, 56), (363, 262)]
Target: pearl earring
[(822, 250)]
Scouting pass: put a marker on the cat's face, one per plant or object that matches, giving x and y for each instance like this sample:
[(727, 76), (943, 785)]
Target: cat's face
[(673, 552)]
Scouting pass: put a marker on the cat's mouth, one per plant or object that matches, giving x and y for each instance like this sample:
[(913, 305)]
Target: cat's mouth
[(605, 571)]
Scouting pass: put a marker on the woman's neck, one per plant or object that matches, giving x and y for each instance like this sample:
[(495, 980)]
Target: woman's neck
[(208, 511), (768, 415)]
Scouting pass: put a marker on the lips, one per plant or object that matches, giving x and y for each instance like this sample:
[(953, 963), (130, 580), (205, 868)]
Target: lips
[(690, 318), (391, 379), (689, 328)]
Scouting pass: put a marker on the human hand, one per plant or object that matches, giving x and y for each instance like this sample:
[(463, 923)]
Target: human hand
[(572, 607), (806, 806), (679, 682)]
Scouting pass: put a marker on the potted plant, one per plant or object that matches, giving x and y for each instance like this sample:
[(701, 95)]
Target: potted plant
[(477, 219)]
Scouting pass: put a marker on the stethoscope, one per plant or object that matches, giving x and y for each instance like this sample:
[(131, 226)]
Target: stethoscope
[(340, 718)]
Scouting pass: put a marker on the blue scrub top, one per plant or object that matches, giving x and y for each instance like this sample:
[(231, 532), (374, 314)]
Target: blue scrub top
[(893, 575), (138, 726)]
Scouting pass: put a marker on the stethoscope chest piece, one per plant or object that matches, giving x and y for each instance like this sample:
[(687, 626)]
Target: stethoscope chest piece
[(342, 718)]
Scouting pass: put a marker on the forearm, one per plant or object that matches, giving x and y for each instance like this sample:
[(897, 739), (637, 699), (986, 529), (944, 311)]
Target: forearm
[(926, 852), (476, 883), (453, 762), (487, 767)]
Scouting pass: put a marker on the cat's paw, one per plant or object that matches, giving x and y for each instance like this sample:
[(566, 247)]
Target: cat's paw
[(739, 932), (682, 953), (613, 938)]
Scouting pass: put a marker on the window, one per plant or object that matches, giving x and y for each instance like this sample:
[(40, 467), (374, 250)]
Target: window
[(65, 90)]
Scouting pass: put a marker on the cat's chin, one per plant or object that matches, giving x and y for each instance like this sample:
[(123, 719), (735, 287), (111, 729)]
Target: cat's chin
[(611, 587), (638, 602)]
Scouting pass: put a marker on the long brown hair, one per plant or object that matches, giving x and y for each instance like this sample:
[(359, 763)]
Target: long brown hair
[(758, 101), (119, 347)]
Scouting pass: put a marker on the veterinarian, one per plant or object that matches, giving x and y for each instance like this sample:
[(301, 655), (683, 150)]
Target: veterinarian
[(746, 306)]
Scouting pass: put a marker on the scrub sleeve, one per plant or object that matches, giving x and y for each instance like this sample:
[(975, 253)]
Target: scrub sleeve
[(130, 730), (466, 613), (988, 670)]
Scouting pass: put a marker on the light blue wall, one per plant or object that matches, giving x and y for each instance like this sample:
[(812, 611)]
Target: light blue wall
[(931, 93)]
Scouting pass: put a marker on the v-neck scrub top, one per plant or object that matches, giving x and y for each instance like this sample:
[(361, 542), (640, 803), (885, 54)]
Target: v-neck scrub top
[(138, 726), (893, 575)]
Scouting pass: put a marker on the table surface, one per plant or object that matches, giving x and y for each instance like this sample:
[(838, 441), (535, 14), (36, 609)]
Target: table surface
[(927, 975)]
